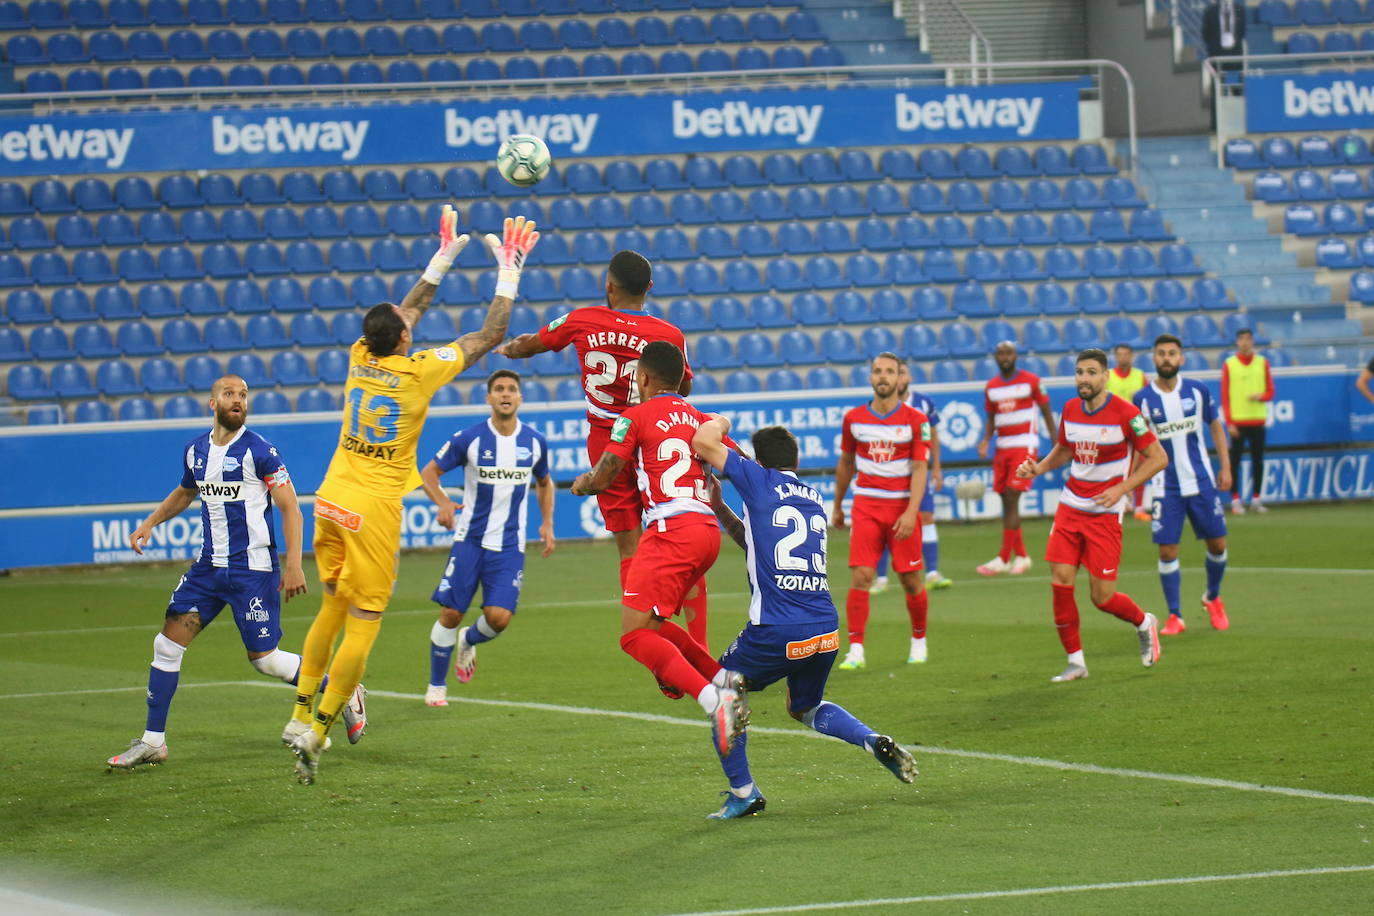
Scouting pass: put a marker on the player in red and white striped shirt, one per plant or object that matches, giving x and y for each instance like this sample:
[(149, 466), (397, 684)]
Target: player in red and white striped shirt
[(1099, 433), (1011, 400), (883, 442)]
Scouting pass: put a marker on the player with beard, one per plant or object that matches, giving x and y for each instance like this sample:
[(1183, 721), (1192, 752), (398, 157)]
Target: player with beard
[(1177, 409), (1098, 432), (238, 476)]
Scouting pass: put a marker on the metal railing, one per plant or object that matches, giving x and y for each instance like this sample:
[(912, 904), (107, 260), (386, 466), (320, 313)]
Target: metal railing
[(947, 34)]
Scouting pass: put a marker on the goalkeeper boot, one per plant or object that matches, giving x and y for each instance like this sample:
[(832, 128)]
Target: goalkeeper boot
[(896, 758), (294, 729), (735, 806), (355, 714), (138, 754), (466, 663), (308, 747)]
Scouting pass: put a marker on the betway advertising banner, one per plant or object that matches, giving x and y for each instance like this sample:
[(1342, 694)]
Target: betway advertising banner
[(51, 520), (472, 131), (1318, 102)]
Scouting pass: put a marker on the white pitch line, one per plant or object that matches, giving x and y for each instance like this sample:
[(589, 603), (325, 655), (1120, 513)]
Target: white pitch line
[(77, 693), (1041, 891)]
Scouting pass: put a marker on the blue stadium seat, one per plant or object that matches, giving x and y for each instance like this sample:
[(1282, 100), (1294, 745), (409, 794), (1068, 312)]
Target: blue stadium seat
[(1083, 194), (1041, 336), (28, 233), (1101, 261), (961, 340), (1052, 160), (48, 342), (1107, 226), (947, 370), (160, 376), (1030, 228), (757, 350), (1148, 226), (982, 266), (115, 377), (1091, 159), (875, 340), (1128, 296), (1119, 330), (919, 341), (72, 380), (1080, 334), (182, 407), (94, 341), (839, 346), (1172, 296), (1309, 185), (970, 299), (1139, 261), (823, 377), (48, 268)]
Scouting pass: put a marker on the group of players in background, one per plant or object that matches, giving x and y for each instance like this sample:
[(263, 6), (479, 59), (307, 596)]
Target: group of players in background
[(649, 449)]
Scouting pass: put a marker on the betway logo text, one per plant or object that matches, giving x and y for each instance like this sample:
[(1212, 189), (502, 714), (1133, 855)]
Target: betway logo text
[(213, 492), (43, 142), (1341, 97), (285, 135), (740, 119), (575, 130), (503, 475), (961, 111)]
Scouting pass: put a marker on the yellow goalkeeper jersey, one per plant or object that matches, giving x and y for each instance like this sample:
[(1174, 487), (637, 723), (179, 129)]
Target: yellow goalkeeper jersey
[(386, 399)]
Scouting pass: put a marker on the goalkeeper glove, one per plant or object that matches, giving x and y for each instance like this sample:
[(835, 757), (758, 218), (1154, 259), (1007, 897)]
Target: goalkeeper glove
[(449, 247), (510, 253)]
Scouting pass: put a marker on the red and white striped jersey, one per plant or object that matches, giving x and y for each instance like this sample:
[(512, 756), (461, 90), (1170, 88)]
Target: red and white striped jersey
[(608, 343), (884, 448), (1102, 442), (1011, 406), (657, 437)]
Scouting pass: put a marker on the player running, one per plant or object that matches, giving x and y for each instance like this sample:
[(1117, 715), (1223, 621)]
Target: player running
[(793, 629), (1124, 381), (1098, 432), (1177, 409), (883, 451), (499, 456), (238, 476), (1010, 400), (681, 542), (609, 342), (358, 507)]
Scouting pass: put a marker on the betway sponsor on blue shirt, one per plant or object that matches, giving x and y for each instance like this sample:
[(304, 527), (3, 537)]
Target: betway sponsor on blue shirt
[(471, 132)]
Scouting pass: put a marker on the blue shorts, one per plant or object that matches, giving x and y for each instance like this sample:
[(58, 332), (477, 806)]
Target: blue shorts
[(1205, 511), (802, 653), (253, 596), (500, 573)]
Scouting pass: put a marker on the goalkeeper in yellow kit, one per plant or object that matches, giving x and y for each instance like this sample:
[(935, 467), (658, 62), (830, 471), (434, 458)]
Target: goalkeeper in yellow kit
[(358, 507)]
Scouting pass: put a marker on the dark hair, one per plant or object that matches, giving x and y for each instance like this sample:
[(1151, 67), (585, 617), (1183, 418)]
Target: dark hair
[(1122, 346), (631, 271), (886, 355), (663, 361), (502, 373), (775, 447), (1168, 339), (1246, 331), (382, 329), (1094, 354)]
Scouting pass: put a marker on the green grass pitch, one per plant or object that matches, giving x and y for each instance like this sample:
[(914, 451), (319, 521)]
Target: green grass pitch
[(546, 801)]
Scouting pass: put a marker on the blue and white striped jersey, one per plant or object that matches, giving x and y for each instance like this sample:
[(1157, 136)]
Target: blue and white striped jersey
[(235, 483), (785, 533), (498, 472), (1179, 418)]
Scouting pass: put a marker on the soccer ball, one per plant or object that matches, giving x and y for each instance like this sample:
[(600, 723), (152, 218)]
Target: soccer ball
[(523, 160)]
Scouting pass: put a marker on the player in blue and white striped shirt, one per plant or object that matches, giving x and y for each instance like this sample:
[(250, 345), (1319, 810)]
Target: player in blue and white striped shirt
[(1178, 409), (238, 476), (499, 456)]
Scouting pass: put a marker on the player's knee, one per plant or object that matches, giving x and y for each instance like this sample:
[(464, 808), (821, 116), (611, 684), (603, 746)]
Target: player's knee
[(1168, 552), (862, 577), (331, 588), (1102, 593), (449, 617), (498, 618), (913, 583), (798, 714)]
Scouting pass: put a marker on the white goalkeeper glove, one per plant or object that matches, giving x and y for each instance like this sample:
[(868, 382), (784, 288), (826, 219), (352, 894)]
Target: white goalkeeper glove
[(449, 246), (510, 253)]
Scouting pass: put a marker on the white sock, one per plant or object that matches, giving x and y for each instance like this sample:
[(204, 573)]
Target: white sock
[(279, 664), (1145, 624), (486, 629), (856, 649), (719, 679), (442, 636), (709, 698), (918, 640), (743, 792), (154, 739), (167, 655), (1076, 658)]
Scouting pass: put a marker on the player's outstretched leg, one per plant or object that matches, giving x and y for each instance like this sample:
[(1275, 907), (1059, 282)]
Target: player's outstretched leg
[(834, 720), (744, 798)]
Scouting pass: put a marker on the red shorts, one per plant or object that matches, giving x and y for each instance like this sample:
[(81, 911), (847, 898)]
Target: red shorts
[(1004, 465), (668, 563), (1087, 539), (622, 509), (870, 530)]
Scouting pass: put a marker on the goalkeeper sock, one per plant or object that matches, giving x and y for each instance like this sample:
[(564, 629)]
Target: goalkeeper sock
[(1170, 579), (347, 669), (1216, 568), (441, 643), (319, 642)]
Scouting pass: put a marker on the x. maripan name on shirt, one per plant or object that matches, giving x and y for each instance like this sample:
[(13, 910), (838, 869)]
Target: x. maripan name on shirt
[(368, 450)]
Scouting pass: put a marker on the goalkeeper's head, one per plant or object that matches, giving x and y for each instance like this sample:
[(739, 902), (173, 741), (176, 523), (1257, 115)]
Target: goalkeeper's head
[(629, 277), (385, 331)]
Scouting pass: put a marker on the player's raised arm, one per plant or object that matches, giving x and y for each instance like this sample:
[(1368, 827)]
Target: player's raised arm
[(289, 505), (522, 347), (517, 241), (429, 480), (599, 477), (173, 505), (724, 514), (1057, 458), (450, 245), (709, 441)]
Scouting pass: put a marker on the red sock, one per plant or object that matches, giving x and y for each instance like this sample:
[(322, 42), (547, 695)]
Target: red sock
[(1018, 544), (916, 607), (1121, 605), (856, 615), (624, 569), (1008, 544), (694, 610), (693, 651), (1066, 618), (661, 657)]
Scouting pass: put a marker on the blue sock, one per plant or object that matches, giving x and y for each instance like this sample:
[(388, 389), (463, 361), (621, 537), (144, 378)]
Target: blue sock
[(1170, 578), (834, 720), (1216, 568), (439, 659), (480, 633), (162, 686), (930, 552), (736, 766)]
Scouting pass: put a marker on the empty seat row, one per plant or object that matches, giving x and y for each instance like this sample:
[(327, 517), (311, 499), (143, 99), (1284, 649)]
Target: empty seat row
[(1305, 184), (1281, 14), (52, 14), (1333, 219), (1281, 153), (1333, 42), (559, 66), (1339, 254)]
